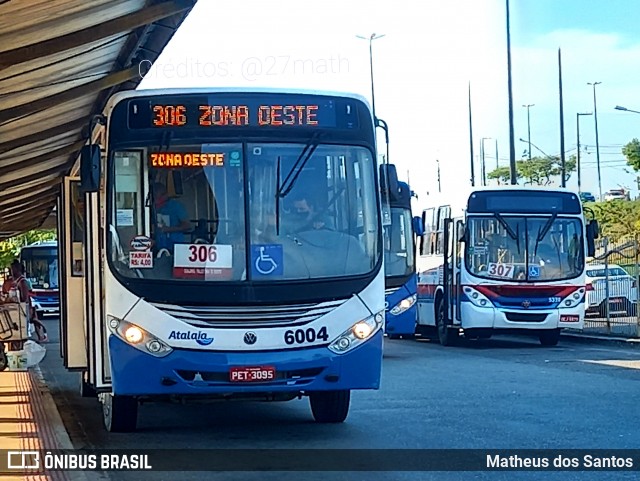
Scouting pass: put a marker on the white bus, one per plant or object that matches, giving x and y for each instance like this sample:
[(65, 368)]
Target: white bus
[(512, 259), (225, 244)]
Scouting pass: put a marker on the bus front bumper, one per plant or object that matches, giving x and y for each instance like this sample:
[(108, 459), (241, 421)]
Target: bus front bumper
[(194, 372), (491, 318)]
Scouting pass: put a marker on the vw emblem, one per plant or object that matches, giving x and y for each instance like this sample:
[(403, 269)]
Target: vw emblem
[(250, 338), (526, 303)]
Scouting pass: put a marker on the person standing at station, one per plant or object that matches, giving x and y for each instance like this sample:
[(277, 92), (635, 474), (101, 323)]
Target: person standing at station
[(23, 288)]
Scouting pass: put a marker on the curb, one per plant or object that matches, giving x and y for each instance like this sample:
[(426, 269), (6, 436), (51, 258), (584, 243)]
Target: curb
[(54, 421), (634, 342)]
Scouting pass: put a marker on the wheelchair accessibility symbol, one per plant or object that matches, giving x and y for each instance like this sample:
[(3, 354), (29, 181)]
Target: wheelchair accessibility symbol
[(267, 259)]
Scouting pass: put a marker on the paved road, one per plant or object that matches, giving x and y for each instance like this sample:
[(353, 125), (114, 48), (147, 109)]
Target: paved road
[(503, 393)]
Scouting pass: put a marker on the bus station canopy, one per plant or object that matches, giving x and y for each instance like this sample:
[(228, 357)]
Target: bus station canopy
[(60, 60)]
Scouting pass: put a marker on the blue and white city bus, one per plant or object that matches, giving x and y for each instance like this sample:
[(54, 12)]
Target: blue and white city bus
[(40, 261), (400, 263), (511, 259), (233, 247)]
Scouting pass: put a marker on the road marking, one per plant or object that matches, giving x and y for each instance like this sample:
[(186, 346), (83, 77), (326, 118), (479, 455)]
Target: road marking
[(617, 363)]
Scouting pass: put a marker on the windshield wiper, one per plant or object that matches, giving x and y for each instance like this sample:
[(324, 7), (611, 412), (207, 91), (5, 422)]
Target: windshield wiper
[(542, 232), (509, 230), (296, 170), (277, 199), (284, 189)]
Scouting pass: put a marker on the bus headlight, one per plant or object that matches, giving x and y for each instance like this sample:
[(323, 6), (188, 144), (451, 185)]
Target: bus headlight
[(357, 334), (403, 305), (133, 334), (477, 299), (573, 299), (138, 337)]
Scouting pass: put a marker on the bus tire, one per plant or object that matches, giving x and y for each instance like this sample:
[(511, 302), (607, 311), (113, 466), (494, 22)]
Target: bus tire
[(446, 335), (86, 390), (549, 337), (119, 413), (393, 336), (330, 406)]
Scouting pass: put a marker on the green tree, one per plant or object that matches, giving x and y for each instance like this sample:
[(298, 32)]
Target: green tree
[(618, 218), (632, 152), (10, 248), (502, 174), (537, 171)]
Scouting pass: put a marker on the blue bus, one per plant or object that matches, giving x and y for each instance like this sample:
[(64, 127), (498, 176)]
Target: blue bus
[(400, 229), (40, 261), (233, 250)]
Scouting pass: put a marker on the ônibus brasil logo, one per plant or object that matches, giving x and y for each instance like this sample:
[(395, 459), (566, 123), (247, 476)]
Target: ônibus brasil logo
[(200, 337)]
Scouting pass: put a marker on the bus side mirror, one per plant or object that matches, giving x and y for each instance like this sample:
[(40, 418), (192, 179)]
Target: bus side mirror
[(418, 226), (462, 231), (389, 180), (595, 228), (593, 231), (90, 168)]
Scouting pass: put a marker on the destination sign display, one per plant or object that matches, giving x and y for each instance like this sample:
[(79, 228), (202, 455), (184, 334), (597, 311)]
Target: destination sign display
[(201, 112), (185, 159)]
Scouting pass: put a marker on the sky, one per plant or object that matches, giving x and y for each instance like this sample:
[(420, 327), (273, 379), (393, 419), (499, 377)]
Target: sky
[(423, 68)]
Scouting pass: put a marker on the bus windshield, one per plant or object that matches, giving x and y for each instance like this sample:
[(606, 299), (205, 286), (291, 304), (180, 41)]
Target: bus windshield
[(529, 249), (41, 266), (211, 212), (398, 244)]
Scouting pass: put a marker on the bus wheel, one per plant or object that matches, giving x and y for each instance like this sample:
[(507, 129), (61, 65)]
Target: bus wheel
[(393, 336), (330, 406), (550, 337), (119, 413), (446, 335)]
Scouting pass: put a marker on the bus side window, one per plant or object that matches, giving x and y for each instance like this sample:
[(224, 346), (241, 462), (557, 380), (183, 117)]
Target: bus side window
[(443, 213), (427, 241)]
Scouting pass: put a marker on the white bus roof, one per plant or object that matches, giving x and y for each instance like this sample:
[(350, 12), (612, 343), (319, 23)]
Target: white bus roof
[(459, 201)]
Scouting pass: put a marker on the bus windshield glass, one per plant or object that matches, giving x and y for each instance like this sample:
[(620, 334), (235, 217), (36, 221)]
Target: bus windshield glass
[(41, 266), (398, 244), (244, 212), (529, 249)]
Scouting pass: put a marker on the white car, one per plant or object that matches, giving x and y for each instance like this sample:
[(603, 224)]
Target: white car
[(616, 194), (623, 291)]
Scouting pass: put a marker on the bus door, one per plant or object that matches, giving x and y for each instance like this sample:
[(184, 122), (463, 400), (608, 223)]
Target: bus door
[(71, 225), (448, 284), (99, 369), (458, 253)]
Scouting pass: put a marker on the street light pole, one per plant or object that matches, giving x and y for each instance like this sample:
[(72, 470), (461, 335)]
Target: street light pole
[(541, 151), (578, 146), (529, 126), (484, 168), (595, 118), (618, 107), (371, 38)]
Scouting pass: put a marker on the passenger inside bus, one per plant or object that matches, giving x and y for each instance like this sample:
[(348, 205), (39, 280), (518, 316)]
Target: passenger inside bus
[(172, 222)]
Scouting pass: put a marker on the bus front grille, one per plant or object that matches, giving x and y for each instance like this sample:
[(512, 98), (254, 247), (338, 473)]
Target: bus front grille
[(525, 317), (258, 316)]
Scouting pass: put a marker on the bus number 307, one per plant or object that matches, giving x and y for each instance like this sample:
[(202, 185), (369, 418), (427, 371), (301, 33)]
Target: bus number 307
[(301, 336)]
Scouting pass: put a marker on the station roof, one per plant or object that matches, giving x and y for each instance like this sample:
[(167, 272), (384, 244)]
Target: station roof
[(60, 60)]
